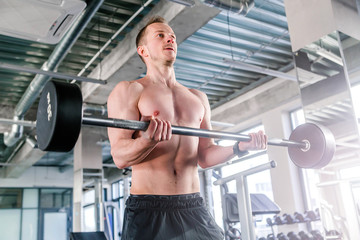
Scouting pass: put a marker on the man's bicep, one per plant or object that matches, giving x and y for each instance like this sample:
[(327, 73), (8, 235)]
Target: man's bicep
[(205, 143), (121, 105)]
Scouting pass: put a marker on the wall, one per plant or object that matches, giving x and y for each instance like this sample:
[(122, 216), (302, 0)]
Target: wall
[(41, 177)]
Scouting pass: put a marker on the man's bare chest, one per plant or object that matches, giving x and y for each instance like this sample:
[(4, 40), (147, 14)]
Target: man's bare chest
[(179, 106)]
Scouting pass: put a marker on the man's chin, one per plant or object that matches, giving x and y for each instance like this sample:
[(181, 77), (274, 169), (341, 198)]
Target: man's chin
[(171, 61)]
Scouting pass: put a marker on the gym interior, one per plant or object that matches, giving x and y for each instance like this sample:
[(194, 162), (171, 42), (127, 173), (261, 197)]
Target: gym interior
[(273, 65)]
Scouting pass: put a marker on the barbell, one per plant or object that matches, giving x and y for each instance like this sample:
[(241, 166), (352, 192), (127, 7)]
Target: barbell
[(59, 120)]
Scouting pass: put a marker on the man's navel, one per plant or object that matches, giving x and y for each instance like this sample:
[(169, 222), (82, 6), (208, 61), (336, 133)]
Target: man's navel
[(156, 113)]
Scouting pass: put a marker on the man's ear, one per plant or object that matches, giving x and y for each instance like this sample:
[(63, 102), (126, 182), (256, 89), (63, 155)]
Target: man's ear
[(142, 51)]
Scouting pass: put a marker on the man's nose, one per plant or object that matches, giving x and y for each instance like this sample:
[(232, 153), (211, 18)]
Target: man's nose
[(170, 39)]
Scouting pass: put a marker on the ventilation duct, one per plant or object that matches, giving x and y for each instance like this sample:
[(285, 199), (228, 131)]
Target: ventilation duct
[(237, 6), (44, 21)]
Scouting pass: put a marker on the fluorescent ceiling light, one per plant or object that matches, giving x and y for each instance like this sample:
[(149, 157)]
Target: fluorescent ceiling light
[(325, 53), (267, 71), (308, 77)]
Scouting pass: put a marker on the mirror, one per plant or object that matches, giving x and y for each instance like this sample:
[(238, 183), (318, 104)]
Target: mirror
[(323, 77), (326, 70)]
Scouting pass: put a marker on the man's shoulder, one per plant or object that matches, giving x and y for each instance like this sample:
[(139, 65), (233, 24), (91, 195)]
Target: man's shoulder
[(127, 88), (198, 93)]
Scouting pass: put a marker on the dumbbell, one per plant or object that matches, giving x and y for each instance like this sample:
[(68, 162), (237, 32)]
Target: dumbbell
[(281, 236), (304, 236), (288, 219), (278, 220), (317, 235), (299, 217), (293, 236), (310, 215), (270, 237)]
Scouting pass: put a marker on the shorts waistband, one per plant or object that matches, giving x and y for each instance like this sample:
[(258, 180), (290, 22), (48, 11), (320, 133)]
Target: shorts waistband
[(165, 201)]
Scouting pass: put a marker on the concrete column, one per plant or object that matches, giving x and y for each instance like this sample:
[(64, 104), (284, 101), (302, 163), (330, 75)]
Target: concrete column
[(312, 19), (285, 177), (87, 173), (206, 189)]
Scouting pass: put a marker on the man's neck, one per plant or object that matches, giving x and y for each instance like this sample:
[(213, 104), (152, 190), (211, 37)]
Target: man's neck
[(162, 74)]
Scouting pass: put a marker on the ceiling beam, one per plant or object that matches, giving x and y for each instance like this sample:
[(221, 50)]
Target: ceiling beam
[(123, 64)]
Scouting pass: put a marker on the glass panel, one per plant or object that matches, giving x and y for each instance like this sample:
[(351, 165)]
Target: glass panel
[(31, 198), (115, 190), (55, 226), (356, 100), (355, 188), (10, 197), (29, 224), (89, 218), (89, 197), (10, 224), (55, 198), (67, 201)]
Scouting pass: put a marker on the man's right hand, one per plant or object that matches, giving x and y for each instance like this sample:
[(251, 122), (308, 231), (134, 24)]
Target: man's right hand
[(158, 129)]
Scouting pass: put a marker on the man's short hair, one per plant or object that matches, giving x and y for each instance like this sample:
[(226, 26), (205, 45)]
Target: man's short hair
[(155, 19)]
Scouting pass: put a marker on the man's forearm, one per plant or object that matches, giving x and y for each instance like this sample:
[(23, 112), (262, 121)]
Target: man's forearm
[(215, 155), (128, 152)]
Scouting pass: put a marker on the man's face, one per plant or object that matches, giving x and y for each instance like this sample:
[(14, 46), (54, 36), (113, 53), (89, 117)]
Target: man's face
[(160, 43)]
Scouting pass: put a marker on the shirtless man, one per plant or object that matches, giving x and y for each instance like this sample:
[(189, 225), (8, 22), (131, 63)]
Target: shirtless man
[(165, 202)]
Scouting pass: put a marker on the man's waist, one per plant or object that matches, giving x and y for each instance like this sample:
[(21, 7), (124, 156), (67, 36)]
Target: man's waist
[(165, 202), (167, 197)]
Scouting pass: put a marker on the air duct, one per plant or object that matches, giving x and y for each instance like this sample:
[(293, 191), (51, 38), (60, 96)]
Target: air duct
[(237, 6)]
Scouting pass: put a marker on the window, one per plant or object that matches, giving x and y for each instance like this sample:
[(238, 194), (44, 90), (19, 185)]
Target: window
[(257, 183), (22, 210), (10, 198)]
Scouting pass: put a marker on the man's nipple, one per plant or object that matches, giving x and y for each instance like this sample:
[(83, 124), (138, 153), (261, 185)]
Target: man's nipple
[(156, 113)]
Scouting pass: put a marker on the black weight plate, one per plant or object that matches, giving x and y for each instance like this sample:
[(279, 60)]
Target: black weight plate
[(59, 117)]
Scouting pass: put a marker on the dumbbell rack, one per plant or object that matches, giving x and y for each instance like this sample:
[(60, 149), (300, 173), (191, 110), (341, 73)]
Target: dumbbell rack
[(297, 218)]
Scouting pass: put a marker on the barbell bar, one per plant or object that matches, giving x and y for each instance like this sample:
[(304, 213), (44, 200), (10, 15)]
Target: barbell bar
[(60, 116)]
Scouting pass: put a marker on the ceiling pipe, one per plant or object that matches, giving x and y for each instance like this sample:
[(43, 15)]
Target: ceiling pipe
[(59, 53), (113, 37), (49, 73), (24, 123)]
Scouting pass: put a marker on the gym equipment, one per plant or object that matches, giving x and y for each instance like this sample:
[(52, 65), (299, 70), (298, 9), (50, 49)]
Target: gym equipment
[(311, 215), (304, 236), (260, 205), (288, 219), (278, 220), (281, 236), (317, 235), (87, 236), (270, 237), (269, 222), (292, 236), (59, 120), (299, 217)]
